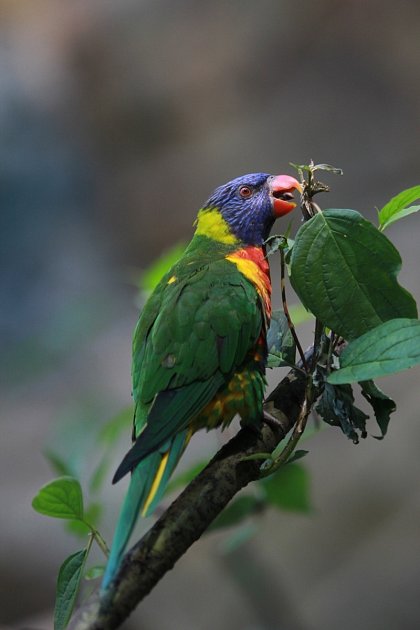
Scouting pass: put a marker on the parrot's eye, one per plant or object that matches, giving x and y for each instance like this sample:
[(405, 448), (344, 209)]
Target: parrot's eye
[(245, 191)]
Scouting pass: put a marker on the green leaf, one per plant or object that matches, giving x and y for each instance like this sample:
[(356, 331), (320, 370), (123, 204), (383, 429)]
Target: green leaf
[(311, 168), (389, 348), (61, 498), (288, 488), (400, 215), (345, 272), (181, 480), (68, 583), (95, 572), (397, 207), (336, 407), (237, 511), (152, 276), (328, 168), (280, 342), (382, 405)]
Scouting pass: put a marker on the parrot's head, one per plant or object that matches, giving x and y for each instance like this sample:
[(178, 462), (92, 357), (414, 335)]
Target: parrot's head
[(251, 203)]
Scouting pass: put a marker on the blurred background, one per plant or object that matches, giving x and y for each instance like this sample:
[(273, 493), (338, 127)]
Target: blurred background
[(117, 120)]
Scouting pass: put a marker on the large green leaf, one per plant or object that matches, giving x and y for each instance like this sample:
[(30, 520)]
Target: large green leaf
[(389, 348), (67, 588), (345, 272), (398, 207), (61, 498)]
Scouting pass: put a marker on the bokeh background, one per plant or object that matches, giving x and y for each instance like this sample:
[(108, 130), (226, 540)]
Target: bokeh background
[(117, 120)]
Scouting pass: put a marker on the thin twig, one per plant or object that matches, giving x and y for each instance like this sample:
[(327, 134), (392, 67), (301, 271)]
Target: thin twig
[(286, 311), (274, 463), (319, 327)]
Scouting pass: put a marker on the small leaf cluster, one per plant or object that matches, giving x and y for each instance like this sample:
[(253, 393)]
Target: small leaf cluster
[(63, 498), (345, 271)]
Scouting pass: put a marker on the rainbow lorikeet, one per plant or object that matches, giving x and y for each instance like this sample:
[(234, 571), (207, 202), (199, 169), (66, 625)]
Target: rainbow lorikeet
[(199, 348)]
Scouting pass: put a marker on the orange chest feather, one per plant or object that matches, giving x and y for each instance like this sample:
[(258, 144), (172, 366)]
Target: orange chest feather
[(252, 263)]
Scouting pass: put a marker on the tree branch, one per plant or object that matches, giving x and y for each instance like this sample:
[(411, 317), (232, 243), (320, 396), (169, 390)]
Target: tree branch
[(193, 511)]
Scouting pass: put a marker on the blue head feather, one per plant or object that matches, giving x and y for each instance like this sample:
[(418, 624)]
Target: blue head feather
[(249, 219)]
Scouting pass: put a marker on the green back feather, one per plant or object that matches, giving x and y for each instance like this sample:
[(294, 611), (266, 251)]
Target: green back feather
[(196, 329)]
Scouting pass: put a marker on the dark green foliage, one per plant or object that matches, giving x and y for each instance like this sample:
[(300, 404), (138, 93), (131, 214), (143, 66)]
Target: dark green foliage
[(381, 404), (336, 407)]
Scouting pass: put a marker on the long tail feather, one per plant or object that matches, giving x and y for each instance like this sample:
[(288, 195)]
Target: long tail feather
[(147, 485)]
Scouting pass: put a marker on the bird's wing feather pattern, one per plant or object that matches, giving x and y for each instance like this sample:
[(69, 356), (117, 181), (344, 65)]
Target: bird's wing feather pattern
[(194, 333)]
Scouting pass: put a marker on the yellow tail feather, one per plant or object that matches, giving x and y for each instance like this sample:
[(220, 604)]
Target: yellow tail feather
[(155, 484)]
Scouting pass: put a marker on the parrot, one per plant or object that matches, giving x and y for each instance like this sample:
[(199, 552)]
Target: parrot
[(199, 347)]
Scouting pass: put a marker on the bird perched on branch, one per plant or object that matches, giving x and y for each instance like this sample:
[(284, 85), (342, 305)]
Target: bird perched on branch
[(199, 348)]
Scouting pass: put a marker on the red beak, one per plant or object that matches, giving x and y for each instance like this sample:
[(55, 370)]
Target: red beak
[(281, 189)]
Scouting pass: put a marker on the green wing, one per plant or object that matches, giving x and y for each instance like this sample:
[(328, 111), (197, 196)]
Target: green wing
[(192, 335)]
